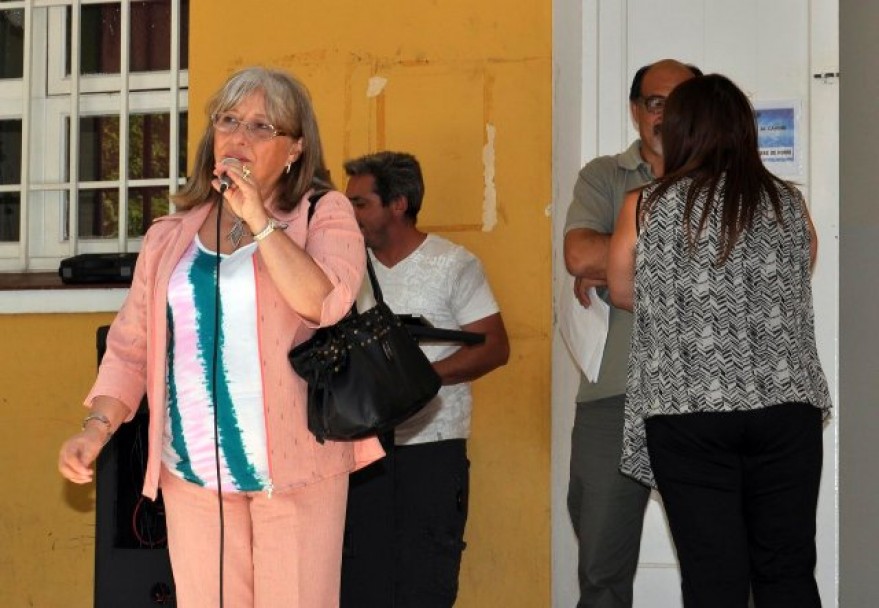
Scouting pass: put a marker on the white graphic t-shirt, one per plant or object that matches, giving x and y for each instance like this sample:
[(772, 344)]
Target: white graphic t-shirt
[(445, 284)]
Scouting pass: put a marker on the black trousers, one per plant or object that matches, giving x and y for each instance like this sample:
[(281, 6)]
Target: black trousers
[(740, 490), (404, 531)]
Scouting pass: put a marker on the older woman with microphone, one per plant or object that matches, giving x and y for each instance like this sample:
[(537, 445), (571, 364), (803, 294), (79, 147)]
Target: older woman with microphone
[(222, 290)]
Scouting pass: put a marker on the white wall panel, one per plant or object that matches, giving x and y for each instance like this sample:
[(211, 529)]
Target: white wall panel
[(656, 545), (611, 88), (671, 28), (575, 27), (657, 586)]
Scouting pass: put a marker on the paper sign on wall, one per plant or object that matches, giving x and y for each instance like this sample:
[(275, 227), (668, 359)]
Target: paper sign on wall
[(778, 137)]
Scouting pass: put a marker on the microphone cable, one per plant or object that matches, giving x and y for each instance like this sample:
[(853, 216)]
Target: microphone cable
[(214, 368)]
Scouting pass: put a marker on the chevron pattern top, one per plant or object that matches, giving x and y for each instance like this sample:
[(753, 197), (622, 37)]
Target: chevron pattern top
[(717, 338)]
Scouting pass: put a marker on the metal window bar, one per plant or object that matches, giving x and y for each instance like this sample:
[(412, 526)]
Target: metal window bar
[(174, 117), (27, 59), (73, 150), (124, 67)]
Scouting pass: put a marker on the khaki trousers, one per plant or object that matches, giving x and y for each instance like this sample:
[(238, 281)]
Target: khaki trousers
[(606, 507)]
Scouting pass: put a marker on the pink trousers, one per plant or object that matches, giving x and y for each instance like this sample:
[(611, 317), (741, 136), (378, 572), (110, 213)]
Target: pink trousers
[(280, 552)]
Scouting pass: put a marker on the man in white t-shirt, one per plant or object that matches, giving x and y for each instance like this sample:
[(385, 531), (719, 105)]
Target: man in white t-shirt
[(406, 514)]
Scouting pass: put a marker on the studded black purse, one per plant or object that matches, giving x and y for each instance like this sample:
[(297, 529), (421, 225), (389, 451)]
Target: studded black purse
[(366, 374)]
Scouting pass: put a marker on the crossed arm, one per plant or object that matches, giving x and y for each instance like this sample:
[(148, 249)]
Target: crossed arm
[(586, 253)]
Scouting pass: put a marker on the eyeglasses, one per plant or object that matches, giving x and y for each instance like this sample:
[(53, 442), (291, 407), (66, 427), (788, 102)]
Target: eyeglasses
[(257, 131), (654, 103)]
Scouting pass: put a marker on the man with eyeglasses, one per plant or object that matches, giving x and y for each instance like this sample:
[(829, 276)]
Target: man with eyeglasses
[(606, 507)]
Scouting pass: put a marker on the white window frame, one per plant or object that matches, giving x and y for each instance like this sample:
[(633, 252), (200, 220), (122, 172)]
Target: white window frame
[(59, 83), (44, 99)]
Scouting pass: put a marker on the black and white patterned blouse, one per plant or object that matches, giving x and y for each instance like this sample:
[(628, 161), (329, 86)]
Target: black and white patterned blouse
[(718, 338)]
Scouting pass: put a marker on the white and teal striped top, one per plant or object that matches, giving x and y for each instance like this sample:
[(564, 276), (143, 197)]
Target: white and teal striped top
[(188, 449)]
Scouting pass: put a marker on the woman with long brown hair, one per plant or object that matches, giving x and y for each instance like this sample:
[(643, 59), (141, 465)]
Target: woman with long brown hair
[(725, 395)]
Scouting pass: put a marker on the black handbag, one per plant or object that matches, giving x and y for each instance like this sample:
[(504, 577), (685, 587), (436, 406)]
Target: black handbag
[(366, 374)]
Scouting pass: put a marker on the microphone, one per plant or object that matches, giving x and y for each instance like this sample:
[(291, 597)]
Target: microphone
[(226, 181)]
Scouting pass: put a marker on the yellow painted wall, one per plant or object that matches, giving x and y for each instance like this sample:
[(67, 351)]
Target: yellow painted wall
[(469, 92), (47, 363)]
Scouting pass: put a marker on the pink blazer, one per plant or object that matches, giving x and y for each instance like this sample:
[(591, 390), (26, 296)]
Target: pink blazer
[(134, 361)]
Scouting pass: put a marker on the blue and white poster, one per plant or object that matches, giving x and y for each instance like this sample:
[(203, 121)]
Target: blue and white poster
[(778, 137)]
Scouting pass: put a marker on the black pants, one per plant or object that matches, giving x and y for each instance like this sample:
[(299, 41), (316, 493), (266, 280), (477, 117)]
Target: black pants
[(741, 491), (404, 532)]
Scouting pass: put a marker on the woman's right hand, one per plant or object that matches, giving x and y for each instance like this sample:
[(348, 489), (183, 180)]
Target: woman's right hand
[(79, 453)]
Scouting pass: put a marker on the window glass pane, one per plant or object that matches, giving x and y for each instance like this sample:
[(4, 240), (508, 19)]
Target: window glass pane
[(150, 40), (100, 39), (10, 151), (184, 34), (11, 43), (149, 141), (150, 35), (98, 213), (98, 148), (145, 205), (10, 214), (148, 146), (150, 46), (181, 141)]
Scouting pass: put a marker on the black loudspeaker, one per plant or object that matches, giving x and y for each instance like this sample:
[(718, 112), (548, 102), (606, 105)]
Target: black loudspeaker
[(132, 566)]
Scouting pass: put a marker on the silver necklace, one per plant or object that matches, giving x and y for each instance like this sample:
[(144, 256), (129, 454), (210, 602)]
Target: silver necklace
[(238, 231)]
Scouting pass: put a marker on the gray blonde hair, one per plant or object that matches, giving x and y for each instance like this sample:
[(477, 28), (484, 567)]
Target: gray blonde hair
[(289, 108)]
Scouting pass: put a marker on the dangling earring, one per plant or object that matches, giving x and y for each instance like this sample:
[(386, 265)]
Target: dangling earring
[(290, 164)]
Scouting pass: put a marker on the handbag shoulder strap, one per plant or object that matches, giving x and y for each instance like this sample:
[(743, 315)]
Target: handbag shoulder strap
[(373, 281), (312, 203)]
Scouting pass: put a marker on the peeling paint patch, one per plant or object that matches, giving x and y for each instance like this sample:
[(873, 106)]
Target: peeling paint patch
[(489, 195), (375, 86)]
